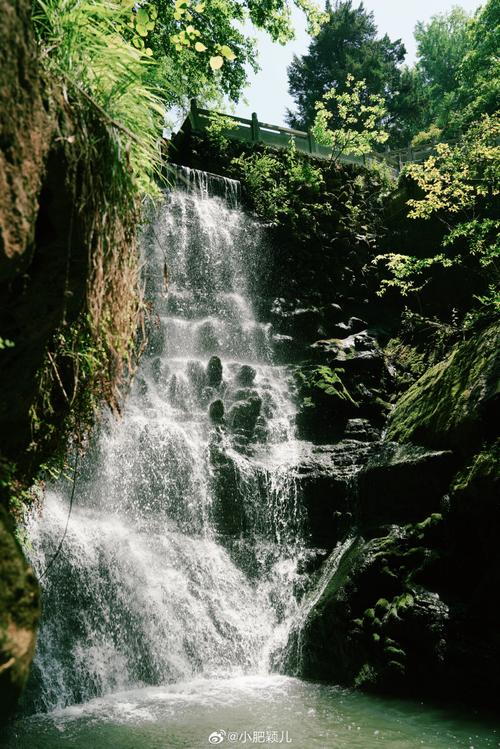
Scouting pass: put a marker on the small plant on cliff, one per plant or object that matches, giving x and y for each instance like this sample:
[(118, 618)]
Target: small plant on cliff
[(282, 186), (350, 123), (325, 380)]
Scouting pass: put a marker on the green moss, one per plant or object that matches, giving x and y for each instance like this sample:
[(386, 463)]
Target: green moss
[(429, 522), (484, 466), (19, 614), (396, 666), (366, 676), (442, 409), (394, 653)]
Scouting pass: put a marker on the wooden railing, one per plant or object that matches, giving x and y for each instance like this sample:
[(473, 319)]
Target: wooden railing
[(254, 131)]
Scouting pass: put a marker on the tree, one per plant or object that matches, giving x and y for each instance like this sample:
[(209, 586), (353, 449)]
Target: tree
[(479, 73), (360, 118), (442, 46), (459, 185), (346, 45), (203, 50)]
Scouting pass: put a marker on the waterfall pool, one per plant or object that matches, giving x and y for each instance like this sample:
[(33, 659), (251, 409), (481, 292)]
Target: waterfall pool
[(252, 710)]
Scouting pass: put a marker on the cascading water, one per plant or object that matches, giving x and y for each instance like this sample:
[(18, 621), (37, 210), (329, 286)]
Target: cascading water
[(177, 584), (182, 547)]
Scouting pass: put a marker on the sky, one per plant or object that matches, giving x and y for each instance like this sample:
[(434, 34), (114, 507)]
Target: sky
[(267, 94)]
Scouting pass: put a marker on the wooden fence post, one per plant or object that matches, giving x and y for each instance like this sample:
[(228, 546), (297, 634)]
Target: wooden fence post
[(255, 128), (193, 114), (312, 142)]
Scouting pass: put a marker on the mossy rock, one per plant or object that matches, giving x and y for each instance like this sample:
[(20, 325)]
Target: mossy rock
[(19, 614), (454, 404)]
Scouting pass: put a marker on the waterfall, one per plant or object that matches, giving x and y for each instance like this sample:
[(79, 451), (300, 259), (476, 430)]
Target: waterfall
[(182, 550)]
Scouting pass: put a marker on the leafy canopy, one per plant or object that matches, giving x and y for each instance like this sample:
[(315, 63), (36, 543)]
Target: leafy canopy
[(460, 186), (347, 44), (354, 125)]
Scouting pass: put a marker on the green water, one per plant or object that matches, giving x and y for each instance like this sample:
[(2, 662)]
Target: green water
[(247, 711)]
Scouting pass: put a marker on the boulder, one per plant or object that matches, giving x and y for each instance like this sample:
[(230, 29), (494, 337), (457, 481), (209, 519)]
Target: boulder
[(214, 371), (456, 403), (325, 482), (216, 412), (369, 625), (402, 483), (246, 375), (243, 415)]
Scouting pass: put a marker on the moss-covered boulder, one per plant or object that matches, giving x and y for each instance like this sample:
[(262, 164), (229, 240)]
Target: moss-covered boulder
[(19, 614), (371, 624), (456, 403)]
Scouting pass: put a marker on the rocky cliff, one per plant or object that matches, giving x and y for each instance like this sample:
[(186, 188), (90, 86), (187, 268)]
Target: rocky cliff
[(69, 300)]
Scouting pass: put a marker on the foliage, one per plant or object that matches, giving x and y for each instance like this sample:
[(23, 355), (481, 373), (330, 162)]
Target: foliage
[(459, 185), (347, 45), (217, 130), (90, 45), (282, 188), (427, 137), (203, 50), (441, 46), (354, 125), (479, 81), (6, 343)]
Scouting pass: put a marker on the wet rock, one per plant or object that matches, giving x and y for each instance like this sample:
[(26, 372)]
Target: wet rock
[(243, 415), (325, 480), (402, 483), (214, 371), (286, 348), (207, 395), (227, 510), (261, 429), (356, 353), (196, 375), (302, 323), (356, 325), (362, 430), (207, 339), (216, 412), (242, 394), (246, 376), (370, 626)]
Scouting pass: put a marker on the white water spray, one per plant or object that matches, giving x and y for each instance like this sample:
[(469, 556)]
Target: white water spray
[(182, 548)]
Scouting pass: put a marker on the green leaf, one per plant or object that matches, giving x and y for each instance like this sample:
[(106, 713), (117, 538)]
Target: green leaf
[(227, 52)]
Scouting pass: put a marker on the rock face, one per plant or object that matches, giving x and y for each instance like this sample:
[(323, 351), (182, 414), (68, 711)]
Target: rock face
[(26, 126), (372, 627), (456, 403), (404, 604), (19, 614)]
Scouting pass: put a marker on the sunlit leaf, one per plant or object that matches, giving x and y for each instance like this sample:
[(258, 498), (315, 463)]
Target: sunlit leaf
[(216, 62), (227, 52), (199, 47)]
